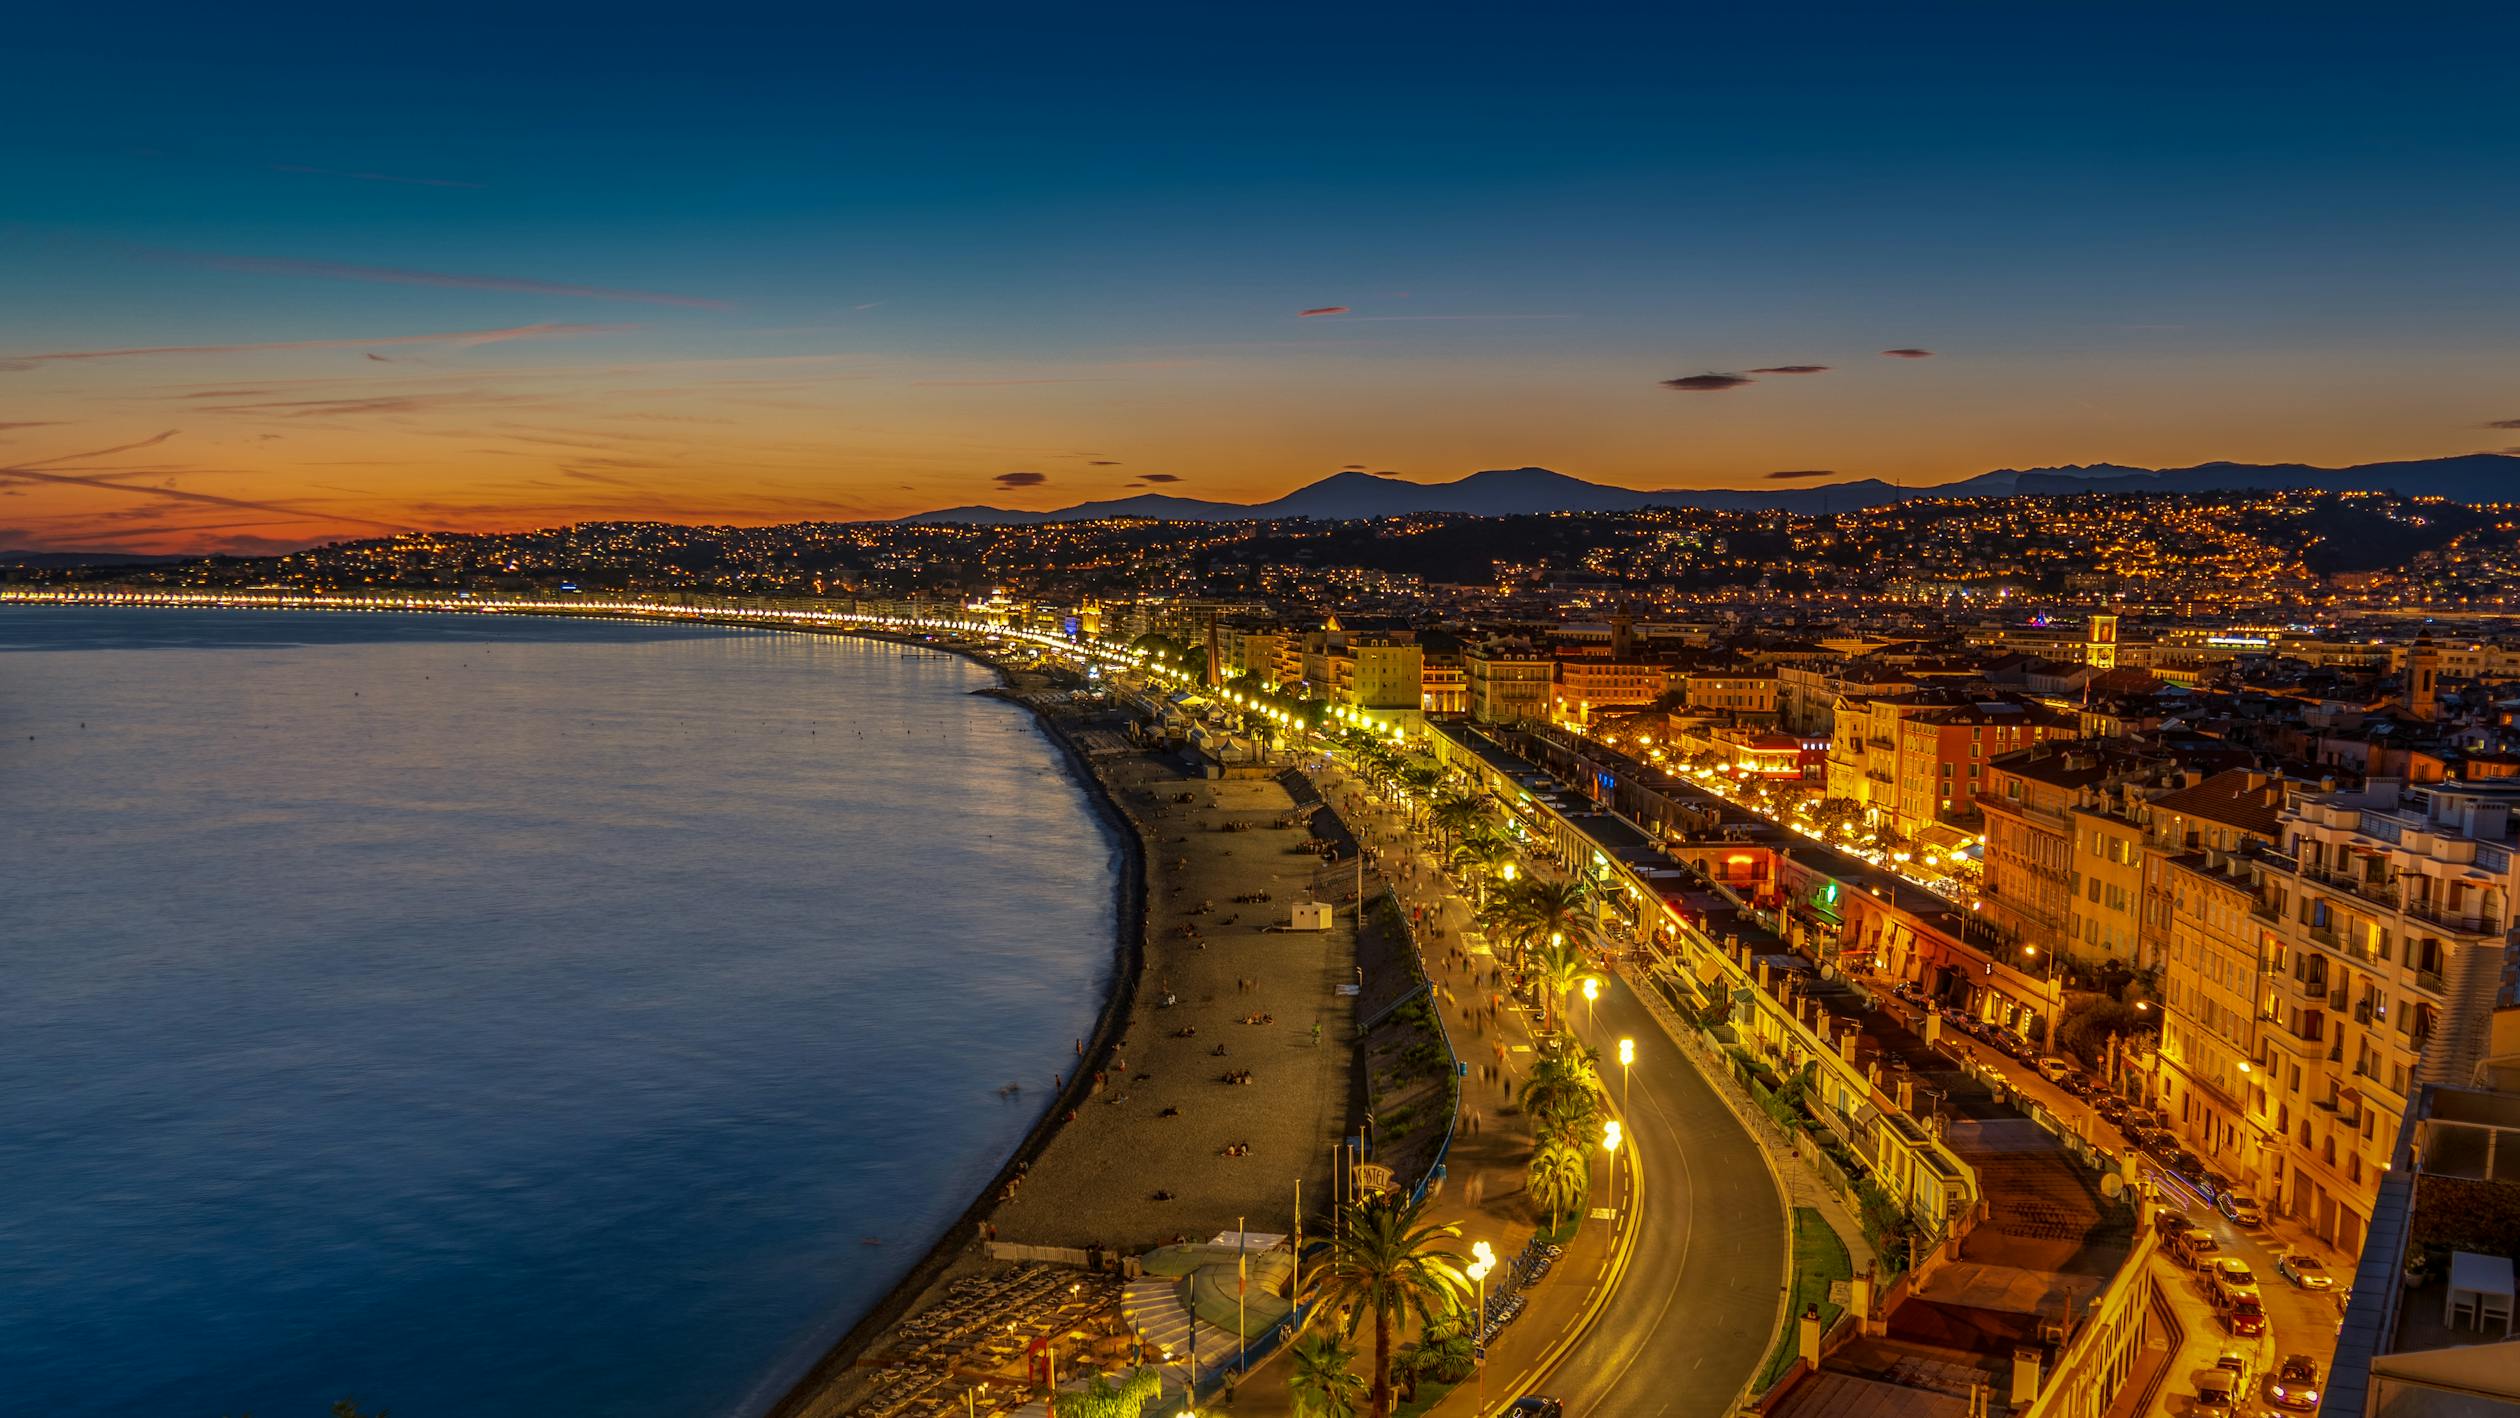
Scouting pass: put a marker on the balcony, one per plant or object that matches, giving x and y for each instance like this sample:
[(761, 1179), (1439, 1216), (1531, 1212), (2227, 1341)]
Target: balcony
[(2428, 980), (2384, 893), (2267, 911), (2464, 922)]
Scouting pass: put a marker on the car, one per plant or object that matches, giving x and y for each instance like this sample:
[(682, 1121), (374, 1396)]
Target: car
[(1535, 1406), (2218, 1389), (2187, 1164), (2228, 1277), (2242, 1209), (2246, 1316), (2296, 1383), (2306, 1271), (2054, 1069), (2213, 1184), (2195, 1246)]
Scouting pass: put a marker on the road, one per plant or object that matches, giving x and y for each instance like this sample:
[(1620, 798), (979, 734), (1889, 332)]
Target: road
[(1693, 1318), (1691, 1323)]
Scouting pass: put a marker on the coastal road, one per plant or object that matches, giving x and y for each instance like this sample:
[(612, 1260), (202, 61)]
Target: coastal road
[(1692, 1319), (1691, 1322)]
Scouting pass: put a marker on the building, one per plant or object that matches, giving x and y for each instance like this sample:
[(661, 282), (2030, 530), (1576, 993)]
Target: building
[(1587, 686), (2386, 918), (1943, 751), (1506, 682), (1741, 695), (2036, 844), (1443, 685), (2453, 1186)]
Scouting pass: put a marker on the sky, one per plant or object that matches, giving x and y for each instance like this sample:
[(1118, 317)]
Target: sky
[(286, 274)]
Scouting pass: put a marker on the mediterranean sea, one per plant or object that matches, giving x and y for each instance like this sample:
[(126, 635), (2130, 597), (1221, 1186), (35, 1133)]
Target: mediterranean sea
[(490, 1017)]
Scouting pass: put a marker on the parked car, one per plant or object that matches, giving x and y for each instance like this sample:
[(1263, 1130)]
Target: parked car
[(2242, 1208), (1534, 1406), (2227, 1278), (2195, 1247), (2187, 1164), (2168, 1224), (2246, 1315), (2296, 1383), (2054, 1069), (2213, 1184), (2306, 1271), (2218, 1389)]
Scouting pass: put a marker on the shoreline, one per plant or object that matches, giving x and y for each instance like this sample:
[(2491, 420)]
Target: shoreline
[(814, 1390), (1129, 960)]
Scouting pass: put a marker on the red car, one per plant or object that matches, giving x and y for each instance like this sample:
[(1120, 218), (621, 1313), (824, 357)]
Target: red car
[(2246, 1316)]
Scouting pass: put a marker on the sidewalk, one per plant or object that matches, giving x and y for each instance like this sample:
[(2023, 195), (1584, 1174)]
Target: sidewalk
[(1484, 1190)]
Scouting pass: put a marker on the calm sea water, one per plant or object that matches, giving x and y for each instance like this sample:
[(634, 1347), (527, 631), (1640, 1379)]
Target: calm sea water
[(490, 1018)]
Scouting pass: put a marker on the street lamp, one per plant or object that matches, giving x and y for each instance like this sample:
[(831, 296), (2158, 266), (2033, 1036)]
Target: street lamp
[(1592, 993), (1482, 1260), (1627, 1056), (1610, 1135)]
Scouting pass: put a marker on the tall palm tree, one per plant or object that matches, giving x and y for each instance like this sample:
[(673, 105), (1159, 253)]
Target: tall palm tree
[(1559, 1176), (1388, 1262), (1324, 1380), (1481, 857), (1456, 816), (1562, 1097), (1541, 909), (1560, 966)]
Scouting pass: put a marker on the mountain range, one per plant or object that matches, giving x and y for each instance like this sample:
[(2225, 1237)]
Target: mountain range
[(1509, 492)]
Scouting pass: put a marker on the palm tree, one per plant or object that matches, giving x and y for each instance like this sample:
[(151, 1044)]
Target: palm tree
[(1538, 910), (1388, 1262), (1561, 966), (1456, 816), (1481, 857), (1562, 1096), (1324, 1381), (1560, 1175)]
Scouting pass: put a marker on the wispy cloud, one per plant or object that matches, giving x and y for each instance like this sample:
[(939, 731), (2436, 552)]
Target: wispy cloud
[(376, 404), (1384, 319), (1104, 463), (992, 383), (1160, 478), (45, 472), (1786, 474), (1321, 310), (304, 171), (1707, 383), (1793, 369), (30, 423), (1014, 480), (1909, 353), (397, 276), (458, 338), (2497, 423)]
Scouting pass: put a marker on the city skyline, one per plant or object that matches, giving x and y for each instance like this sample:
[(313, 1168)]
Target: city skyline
[(319, 278)]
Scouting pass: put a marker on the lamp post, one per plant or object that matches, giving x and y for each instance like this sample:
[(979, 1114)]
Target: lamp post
[(1482, 1260), (1592, 994), (1610, 1137), (1627, 1056)]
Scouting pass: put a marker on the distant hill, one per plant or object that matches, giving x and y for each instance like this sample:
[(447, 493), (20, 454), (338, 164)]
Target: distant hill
[(50, 560), (1508, 492)]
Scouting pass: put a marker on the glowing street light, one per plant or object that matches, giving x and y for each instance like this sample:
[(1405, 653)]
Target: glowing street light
[(1482, 1260), (1592, 994), (1627, 1056), (1610, 1138)]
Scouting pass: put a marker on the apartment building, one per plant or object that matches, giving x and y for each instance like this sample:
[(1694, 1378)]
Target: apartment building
[(2386, 931), (1443, 685), (1506, 682), (1588, 686), (1942, 755), (2046, 846), (1737, 694)]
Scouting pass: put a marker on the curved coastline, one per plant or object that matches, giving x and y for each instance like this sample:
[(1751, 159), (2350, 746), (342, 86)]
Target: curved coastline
[(798, 1388), (1129, 959)]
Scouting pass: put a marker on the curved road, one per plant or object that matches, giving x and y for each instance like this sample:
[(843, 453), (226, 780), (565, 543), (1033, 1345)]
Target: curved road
[(1692, 1320)]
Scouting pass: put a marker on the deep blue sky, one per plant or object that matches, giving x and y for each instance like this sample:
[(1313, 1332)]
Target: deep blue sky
[(955, 244)]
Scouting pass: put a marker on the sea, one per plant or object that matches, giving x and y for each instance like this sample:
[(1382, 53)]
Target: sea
[(486, 1016)]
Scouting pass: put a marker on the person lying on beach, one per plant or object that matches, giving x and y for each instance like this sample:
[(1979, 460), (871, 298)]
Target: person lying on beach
[(1190, 1031), (1217, 1052)]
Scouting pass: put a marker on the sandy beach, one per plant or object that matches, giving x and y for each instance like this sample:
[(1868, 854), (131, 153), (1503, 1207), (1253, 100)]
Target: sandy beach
[(1158, 1138)]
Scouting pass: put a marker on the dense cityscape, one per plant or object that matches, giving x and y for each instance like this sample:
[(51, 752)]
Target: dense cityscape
[(2099, 910)]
